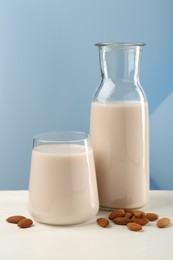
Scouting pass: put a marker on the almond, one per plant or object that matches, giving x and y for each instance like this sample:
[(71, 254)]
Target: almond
[(128, 215), (138, 213), (141, 221), (129, 211), (117, 213), (134, 227), (152, 216), (15, 219), (163, 222), (25, 223), (122, 220), (102, 222)]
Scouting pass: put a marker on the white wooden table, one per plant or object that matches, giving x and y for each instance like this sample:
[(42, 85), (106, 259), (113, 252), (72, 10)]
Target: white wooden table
[(87, 241)]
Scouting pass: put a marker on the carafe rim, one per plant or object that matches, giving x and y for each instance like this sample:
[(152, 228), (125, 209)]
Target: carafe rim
[(120, 44)]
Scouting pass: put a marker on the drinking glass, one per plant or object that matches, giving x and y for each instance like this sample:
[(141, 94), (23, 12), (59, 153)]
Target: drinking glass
[(62, 186)]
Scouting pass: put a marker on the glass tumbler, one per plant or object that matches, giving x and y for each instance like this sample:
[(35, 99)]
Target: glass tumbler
[(62, 187)]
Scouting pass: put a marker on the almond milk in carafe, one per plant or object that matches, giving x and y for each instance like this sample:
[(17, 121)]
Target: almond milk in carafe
[(119, 128)]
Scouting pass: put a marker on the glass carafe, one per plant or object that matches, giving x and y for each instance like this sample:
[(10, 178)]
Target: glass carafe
[(119, 128)]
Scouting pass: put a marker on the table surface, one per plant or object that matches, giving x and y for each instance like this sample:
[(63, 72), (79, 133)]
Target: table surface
[(84, 241)]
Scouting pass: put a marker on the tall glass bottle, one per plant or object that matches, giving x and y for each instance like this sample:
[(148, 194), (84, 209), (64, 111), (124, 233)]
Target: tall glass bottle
[(119, 128)]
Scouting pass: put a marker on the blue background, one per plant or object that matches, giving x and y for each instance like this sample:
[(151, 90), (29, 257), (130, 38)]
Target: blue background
[(49, 70)]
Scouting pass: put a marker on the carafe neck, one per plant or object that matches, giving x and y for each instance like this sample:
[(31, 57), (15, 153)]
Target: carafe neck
[(120, 61)]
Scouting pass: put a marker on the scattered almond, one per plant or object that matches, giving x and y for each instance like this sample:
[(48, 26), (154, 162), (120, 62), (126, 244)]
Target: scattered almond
[(134, 227), (135, 219), (141, 221), (138, 213), (122, 220), (151, 216), (129, 211), (163, 222), (102, 222), (128, 215), (15, 219), (25, 223), (117, 213)]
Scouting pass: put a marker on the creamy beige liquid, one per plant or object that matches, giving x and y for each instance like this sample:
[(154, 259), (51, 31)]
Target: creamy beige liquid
[(63, 188), (119, 134)]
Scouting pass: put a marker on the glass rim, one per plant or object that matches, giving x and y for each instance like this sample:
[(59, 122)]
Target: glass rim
[(61, 137), (121, 44)]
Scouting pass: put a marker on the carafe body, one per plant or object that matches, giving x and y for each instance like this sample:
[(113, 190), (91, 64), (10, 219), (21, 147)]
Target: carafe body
[(119, 128)]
